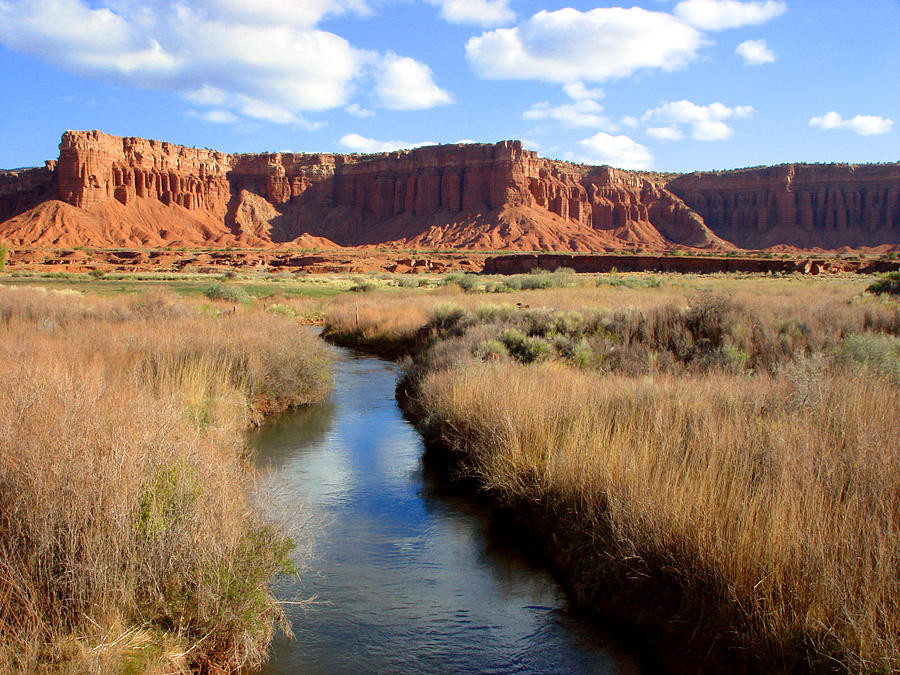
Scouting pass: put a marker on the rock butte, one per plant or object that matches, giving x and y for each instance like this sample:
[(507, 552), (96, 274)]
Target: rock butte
[(109, 191)]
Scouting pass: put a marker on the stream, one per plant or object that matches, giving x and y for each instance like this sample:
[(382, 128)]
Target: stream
[(398, 573)]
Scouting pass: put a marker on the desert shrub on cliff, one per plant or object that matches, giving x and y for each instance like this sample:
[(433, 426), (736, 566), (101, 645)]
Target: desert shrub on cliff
[(3, 254), (128, 539)]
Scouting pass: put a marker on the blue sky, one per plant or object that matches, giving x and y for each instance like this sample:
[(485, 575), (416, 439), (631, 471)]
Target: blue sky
[(664, 84)]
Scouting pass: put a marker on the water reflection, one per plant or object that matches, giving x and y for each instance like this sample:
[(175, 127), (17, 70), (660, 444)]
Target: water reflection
[(406, 573)]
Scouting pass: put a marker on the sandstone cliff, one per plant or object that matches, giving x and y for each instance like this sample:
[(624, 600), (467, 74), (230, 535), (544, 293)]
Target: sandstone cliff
[(112, 191), (23, 189), (802, 205)]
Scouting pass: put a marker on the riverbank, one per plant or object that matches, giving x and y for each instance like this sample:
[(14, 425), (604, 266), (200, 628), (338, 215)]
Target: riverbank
[(127, 536), (720, 468)]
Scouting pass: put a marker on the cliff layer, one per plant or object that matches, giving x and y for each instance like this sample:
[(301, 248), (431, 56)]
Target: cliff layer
[(113, 191), (108, 191), (802, 205)]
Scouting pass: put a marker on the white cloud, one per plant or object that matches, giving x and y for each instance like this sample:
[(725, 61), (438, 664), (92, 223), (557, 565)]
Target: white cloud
[(630, 122), (264, 59), (479, 12), (358, 111), (619, 151), (722, 14), (357, 143), (299, 14), (568, 45), (403, 83), (577, 91), (583, 113), (69, 32), (205, 95), (266, 112), (755, 52), (864, 125), (669, 133), (216, 116), (707, 122)]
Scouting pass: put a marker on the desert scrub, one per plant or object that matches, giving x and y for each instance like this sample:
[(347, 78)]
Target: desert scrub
[(710, 332), (876, 354), (226, 292), (778, 315), (128, 538), (889, 283)]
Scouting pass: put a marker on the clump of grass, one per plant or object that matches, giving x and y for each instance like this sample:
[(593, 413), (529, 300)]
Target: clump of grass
[(524, 348), (562, 277), (127, 535), (876, 354), (362, 322), (467, 282), (446, 315), (227, 293), (281, 310), (889, 283), (409, 282), (362, 286), (490, 349)]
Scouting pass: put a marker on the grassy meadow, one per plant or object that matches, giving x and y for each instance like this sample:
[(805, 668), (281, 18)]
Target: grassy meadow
[(719, 457), (714, 458), (128, 538)]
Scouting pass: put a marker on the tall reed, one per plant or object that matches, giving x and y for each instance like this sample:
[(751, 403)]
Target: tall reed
[(127, 536), (732, 466)]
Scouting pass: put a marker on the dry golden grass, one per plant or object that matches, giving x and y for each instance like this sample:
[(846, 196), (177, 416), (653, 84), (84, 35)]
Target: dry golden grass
[(777, 512), (387, 323), (127, 537), (732, 458), (813, 307)]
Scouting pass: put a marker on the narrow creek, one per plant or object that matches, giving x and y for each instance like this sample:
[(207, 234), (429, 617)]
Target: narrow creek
[(406, 575)]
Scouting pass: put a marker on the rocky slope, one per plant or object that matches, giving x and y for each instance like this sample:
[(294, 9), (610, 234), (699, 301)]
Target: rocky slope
[(109, 191)]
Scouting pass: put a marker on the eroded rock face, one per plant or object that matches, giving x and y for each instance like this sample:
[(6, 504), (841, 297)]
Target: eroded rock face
[(116, 191), (425, 196), (803, 205), (95, 167), (23, 189)]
